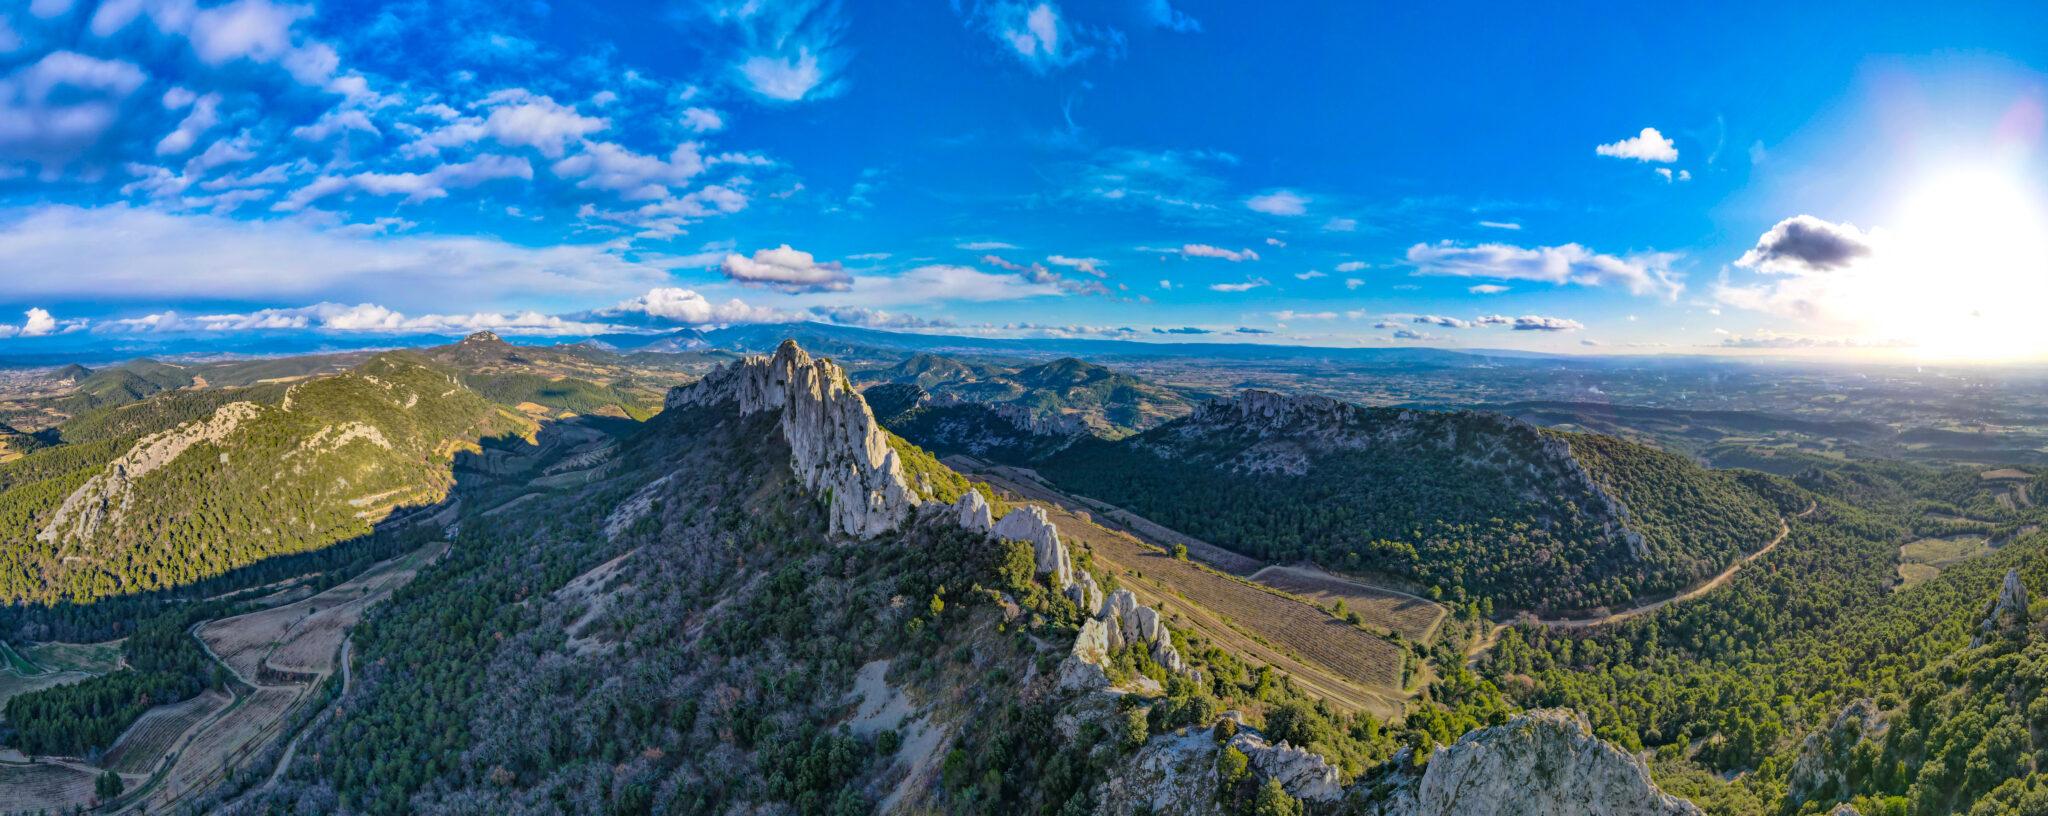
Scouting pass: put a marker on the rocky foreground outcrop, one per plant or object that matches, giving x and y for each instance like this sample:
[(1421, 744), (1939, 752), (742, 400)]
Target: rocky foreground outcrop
[(2006, 613), (1543, 763), (837, 449)]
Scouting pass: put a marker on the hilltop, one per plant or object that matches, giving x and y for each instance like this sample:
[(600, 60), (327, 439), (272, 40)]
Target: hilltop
[(1062, 393), (1469, 504)]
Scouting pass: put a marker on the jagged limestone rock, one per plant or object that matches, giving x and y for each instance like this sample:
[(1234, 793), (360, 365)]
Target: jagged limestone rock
[(837, 449), (1305, 774), (105, 498), (972, 512), (1543, 763), (1175, 773), (1844, 809), (1028, 523), (1086, 593), (2008, 612)]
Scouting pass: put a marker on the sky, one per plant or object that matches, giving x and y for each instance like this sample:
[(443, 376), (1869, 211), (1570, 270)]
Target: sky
[(1747, 178)]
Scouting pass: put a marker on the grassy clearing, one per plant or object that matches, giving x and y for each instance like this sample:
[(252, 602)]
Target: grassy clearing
[(1921, 560), (91, 658), (11, 660)]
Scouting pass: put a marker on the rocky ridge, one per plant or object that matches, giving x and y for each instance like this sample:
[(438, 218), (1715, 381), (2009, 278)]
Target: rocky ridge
[(1543, 763), (104, 499), (2007, 612), (1818, 770), (837, 449)]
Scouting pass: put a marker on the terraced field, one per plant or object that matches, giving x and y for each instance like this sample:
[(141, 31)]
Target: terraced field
[(139, 748), (225, 743), (1415, 618)]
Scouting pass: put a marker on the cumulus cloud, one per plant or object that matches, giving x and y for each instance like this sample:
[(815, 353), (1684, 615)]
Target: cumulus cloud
[(1207, 251), (786, 269), (1279, 202), (416, 187), (1486, 289), (878, 319), (607, 166), (676, 305), (1804, 244), (1643, 274), (39, 322), (205, 114), (1309, 275), (1353, 283), (521, 118), (361, 317), (1649, 146), (1181, 330), (703, 120), (55, 109), (1088, 265), (1247, 286), (939, 282)]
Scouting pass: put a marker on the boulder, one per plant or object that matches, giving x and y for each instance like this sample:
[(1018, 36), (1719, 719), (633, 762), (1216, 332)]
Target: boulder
[(1028, 523), (1305, 774)]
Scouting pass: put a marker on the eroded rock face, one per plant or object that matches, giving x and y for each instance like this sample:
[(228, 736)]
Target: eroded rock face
[(104, 499), (972, 512), (1175, 773), (1818, 770), (1028, 523), (1543, 763), (1128, 623), (2009, 611), (1305, 774), (837, 449)]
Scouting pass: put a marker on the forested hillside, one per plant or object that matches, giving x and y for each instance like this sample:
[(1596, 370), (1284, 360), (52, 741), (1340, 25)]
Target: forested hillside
[(138, 503), (1463, 504)]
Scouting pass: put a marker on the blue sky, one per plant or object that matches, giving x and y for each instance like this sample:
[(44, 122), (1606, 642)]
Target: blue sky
[(1832, 178)]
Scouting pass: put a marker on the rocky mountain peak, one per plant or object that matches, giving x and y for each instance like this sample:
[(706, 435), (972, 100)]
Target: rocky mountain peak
[(836, 447), (1267, 410), (1543, 763), (484, 338), (2007, 612)]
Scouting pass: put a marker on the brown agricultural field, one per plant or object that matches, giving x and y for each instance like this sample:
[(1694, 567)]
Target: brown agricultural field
[(1415, 618), (304, 635), (226, 742), (43, 787), (145, 742), (1356, 668)]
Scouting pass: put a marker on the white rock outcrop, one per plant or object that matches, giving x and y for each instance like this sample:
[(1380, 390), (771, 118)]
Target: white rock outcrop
[(104, 499), (1028, 523), (837, 449), (2007, 612), (972, 512), (1543, 763), (1304, 773), (1823, 757)]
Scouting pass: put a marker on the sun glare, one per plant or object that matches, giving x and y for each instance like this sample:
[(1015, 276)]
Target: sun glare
[(1967, 275)]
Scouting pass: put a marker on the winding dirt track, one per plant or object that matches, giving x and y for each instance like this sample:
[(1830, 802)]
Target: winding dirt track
[(1493, 635)]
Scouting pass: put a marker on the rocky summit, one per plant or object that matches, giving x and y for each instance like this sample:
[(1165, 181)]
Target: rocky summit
[(838, 450)]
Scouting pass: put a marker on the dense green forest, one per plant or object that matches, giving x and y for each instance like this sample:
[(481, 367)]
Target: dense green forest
[(1735, 681), (166, 665), (298, 475), (564, 394), (1468, 505)]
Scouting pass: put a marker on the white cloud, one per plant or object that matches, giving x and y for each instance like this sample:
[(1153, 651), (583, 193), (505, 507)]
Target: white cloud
[(1309, 275), (788, 51), (338, 120), (940, 282), (416, 187), (1162, 14), (1353, 283), (787, 270), (1642, 274), (1279, 202), (1341, 225), (521, 118), (163, 256), (676, 305), (47, 9), (1248, 285), (1665, 173), (1804, 244), (877, 319), (1091, 266), (1290, 314), (39, 323), (1351, 266), (607, 166), (205, 114), (1036, 34), (1506, 225), (784, 78), (703, 120), (1649, 146), (1486, 289), (55, 109), (1207, 251), (362, 317), (984, 246), (1275, 242)]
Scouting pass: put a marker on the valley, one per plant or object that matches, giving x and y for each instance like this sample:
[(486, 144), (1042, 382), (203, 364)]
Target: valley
[(688, 572)]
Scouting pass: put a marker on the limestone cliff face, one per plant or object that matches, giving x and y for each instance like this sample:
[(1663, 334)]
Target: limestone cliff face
[(837, 449), (1028, 523), (1304, 773), (102, 503), (1543, 763), (2007, 612)]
